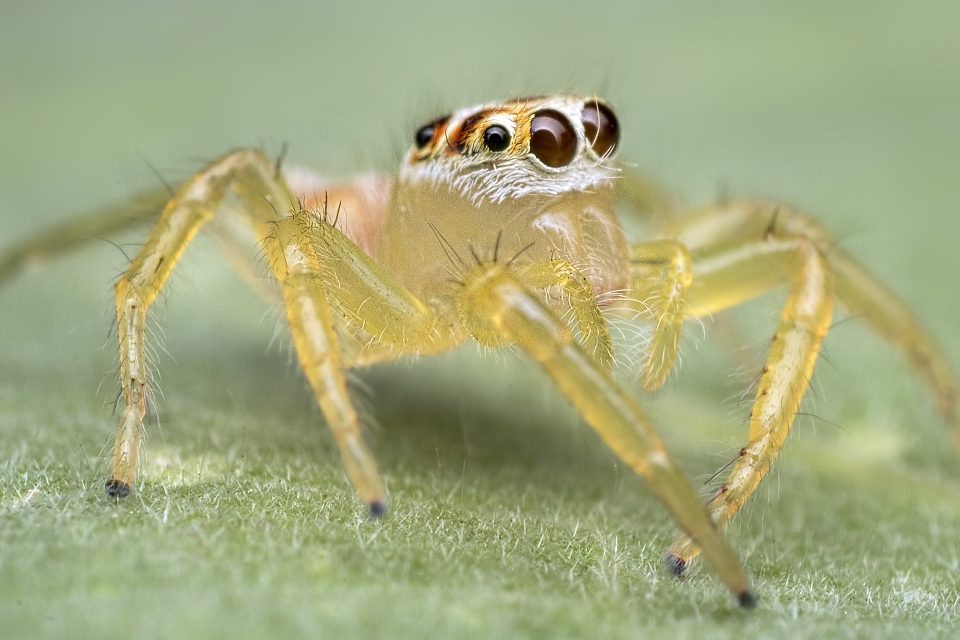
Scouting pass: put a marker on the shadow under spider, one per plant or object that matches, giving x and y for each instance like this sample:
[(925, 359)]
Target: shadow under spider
[(444, 415)]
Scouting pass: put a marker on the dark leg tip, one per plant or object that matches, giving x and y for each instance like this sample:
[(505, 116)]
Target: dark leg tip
[(377, 509), (675, 564), (746, 599), (117, 489)]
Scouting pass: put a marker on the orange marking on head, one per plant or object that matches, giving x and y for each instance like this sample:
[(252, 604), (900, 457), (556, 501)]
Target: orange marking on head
[(469, 130)]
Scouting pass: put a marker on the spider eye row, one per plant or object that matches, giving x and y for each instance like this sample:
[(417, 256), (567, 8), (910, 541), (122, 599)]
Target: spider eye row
[(552, 137), (601, 127), (496, 138), (424, 135)]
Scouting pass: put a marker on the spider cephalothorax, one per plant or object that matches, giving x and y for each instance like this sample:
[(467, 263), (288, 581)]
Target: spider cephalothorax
[(500, 226), (535, 175)]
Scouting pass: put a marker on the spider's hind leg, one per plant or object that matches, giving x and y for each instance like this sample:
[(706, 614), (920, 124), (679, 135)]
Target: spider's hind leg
[(745, 248), (785, 376), (724, 278), (104, 222), (881, 310)]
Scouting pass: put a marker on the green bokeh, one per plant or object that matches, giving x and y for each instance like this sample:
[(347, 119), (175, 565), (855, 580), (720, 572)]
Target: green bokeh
[(508, 517)]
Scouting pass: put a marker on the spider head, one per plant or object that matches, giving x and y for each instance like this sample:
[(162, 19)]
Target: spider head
[(532, 179), (529, 146)]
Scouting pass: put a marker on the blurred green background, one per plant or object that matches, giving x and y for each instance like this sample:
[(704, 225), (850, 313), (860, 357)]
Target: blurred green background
[(508, 516)]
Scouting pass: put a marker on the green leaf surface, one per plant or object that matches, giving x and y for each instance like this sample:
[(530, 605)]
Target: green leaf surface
[(508, 517)]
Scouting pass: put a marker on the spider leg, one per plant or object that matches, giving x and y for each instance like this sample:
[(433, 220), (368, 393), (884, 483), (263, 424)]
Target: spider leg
[(594, 334), (303, 272), (743, 249), (321, 272), (661, 272), (298, 270), (881, 310), (717, 285), (495, 299), (804, 322), (196, 202), (330, 286), (370, 308), (78, 232)]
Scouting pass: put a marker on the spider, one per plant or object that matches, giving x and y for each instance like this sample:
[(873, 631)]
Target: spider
[(501, 226)]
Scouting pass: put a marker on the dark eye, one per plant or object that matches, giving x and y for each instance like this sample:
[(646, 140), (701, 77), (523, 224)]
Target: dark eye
[(496, 138), (552, 139), (600, 125), (424, 135)]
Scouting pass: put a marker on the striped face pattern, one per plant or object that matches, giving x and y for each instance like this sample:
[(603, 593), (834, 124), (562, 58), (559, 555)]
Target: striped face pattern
[(545, 145)]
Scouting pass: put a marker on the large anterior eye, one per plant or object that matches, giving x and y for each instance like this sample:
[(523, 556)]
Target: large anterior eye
[(552, 139), (601, 128)]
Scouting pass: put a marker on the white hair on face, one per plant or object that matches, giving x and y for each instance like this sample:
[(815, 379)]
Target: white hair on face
[(481, 175), (510, 178)]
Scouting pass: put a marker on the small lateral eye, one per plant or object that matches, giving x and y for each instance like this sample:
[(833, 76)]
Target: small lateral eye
[(600, 127), (496, 138), (424, 135), (552, 139)]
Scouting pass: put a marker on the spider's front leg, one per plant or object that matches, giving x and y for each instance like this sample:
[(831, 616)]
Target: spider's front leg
[(319, 268), (196, 202), (495, 301)]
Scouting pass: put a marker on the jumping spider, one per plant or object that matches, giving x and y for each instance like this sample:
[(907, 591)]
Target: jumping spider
[(500, 222)]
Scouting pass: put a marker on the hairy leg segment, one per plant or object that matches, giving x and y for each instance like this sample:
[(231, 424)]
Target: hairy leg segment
[(299, 247), (496, 300), (743, 249), (196, 202)]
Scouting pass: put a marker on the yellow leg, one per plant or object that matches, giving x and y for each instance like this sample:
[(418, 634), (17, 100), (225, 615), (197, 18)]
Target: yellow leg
[(294, 262), (330, 286), (75, 233), (380, 318), (594, 334), (746, 248), (886, 314), (803, 325), (324, 277), (494, 299), (661, 272), (725, 275), (194, 203)]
